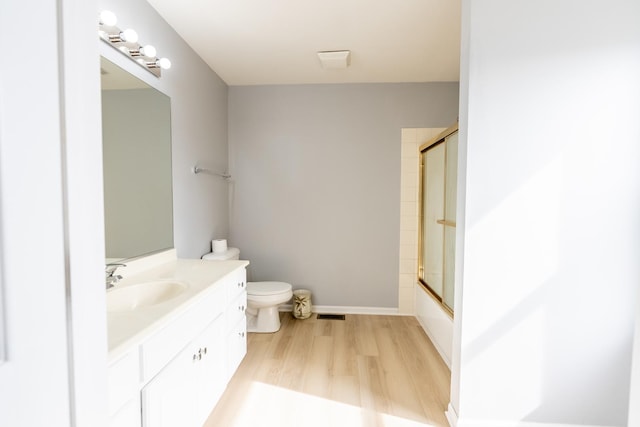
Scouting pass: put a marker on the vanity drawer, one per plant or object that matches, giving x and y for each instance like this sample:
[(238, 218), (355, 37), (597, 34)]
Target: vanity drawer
[(236, 310), (237, 284), (164, 345)]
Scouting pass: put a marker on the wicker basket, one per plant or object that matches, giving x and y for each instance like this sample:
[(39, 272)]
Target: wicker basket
[(301, 304)]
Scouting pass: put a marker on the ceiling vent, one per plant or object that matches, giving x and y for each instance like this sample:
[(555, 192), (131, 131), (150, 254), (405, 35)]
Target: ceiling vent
[(335, 59)]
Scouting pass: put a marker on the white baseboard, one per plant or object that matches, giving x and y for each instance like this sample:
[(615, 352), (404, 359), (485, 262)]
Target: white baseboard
[(436, 344), (452, 415), (337, 309), (463, 422)]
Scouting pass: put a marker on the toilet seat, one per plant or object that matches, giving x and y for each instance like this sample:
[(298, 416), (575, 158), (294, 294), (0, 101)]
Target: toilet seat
[(263, 299), (267, 288)]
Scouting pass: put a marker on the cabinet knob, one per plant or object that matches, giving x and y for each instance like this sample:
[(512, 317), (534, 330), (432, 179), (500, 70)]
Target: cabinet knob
[(204, 350), (241, 308), (241, 334)]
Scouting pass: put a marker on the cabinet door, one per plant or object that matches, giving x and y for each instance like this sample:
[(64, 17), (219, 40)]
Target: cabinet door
[(188, 388), (236, 347), (170, 399), (210, 369)]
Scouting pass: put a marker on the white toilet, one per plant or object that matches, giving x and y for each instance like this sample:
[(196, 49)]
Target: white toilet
[(263, 298)]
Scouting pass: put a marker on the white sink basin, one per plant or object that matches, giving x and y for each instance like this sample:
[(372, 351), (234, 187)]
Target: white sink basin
[(132, 297)]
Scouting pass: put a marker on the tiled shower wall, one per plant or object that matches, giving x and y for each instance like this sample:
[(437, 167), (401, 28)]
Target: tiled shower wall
[(411, 139)]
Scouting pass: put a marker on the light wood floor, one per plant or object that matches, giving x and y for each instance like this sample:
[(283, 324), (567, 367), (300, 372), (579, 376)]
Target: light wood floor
[(362, 371)]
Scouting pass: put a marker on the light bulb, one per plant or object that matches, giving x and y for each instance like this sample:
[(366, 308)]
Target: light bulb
[(164, 63), (148, 51), (129, 36), (108, 18)]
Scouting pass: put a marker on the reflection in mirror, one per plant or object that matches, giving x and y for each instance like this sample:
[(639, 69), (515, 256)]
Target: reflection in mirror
[(136, 146)]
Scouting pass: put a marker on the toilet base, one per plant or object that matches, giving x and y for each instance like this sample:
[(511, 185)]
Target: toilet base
[(263, 320)]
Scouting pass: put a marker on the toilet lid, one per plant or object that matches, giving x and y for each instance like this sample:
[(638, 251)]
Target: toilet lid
[(267, 288), (231, 253)]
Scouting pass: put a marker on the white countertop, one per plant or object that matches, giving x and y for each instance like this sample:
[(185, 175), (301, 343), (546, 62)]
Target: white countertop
[(127, 329)]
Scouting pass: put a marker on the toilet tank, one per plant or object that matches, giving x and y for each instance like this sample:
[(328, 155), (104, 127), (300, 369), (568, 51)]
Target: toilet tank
[(229, 254)]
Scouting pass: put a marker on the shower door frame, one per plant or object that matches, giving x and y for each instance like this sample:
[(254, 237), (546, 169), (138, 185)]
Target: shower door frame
[(439, 139)]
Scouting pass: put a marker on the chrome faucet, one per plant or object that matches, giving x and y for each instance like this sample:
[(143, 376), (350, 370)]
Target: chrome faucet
[(111, 277)]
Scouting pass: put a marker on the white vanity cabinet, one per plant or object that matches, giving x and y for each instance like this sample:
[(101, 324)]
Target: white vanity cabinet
[(187, 389), (236, 325), (175, 374), (123, 395)]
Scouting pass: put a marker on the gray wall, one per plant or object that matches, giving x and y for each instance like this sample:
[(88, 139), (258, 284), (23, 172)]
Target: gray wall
[(316, 194), (549, 130), (198, 125)]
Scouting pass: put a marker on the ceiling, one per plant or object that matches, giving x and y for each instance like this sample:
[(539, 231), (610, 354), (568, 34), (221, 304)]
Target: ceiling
[(259, 42)]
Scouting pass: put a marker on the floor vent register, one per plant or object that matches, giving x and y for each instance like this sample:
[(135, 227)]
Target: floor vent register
[(330, 316)]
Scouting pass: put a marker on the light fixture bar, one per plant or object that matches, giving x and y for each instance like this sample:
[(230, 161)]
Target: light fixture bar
[(127, 43)]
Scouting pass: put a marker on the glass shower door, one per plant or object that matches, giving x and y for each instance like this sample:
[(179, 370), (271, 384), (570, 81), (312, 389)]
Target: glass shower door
[(433, 211), (451, 182), (438, 218)]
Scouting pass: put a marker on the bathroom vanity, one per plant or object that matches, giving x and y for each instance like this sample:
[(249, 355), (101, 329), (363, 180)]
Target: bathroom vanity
[(176, 327), (173, 350)]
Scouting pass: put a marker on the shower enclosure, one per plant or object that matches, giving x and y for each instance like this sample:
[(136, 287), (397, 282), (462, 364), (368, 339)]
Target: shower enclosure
[(438, 183)]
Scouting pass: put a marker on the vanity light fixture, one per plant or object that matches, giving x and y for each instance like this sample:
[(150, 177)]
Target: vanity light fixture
[(148, 51), (108, 18), (163, 63), (126, 41), (126, 36)]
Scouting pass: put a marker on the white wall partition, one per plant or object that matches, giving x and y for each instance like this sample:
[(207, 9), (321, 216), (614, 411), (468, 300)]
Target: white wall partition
[(634, 396), (34, 298), (549, 128), (51, 201)]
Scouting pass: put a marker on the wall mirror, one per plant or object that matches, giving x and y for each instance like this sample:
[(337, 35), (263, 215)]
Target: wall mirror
[(136, 147)]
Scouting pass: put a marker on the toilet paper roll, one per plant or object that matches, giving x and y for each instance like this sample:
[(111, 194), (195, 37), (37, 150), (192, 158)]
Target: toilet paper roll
[(219, 245)]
